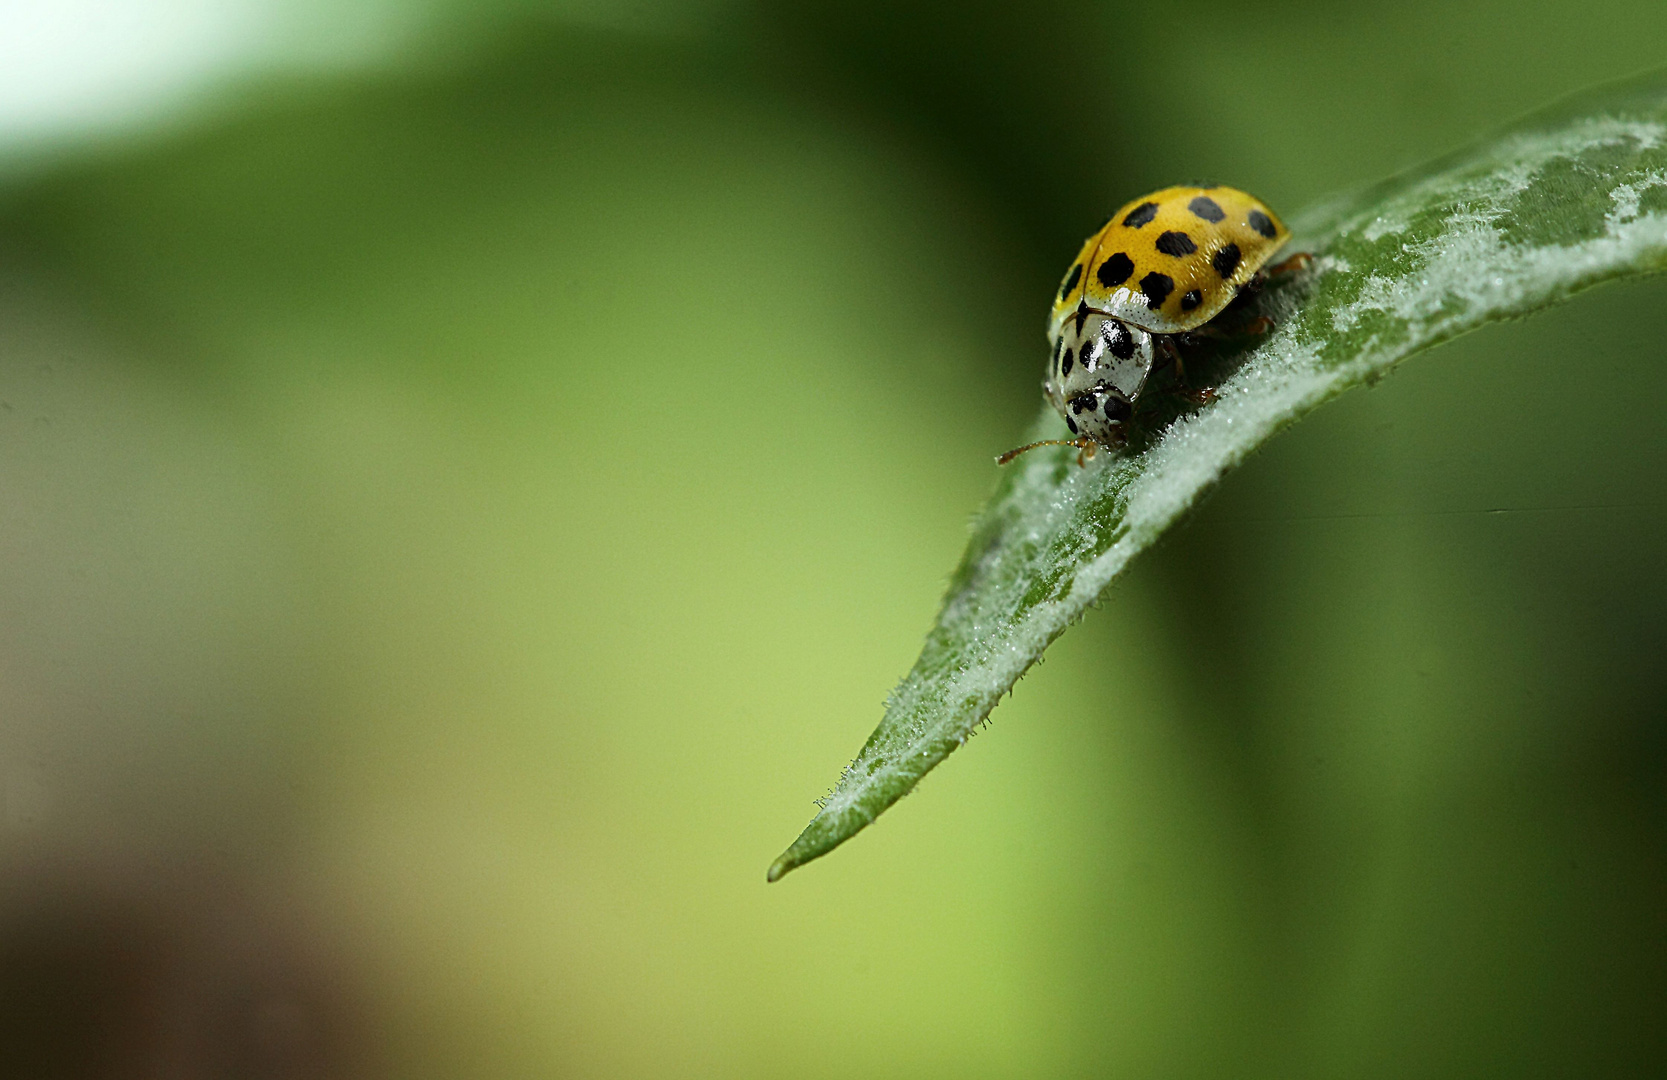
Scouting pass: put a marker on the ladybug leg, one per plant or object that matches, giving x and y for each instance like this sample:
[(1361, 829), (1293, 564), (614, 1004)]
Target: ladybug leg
[(1167, 352), (1259, 280), (1089, 447), (1261, 324), (1172, 348), (1300, 261), (1253, 327)]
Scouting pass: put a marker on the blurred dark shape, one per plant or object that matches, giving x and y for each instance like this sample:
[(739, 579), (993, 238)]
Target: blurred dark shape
[(157, 972), (1017, 99)]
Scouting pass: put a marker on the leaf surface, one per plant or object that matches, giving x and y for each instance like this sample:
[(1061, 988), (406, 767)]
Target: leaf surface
[(1563, 200)]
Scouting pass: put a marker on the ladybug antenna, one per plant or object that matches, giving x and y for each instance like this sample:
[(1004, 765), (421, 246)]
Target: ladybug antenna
[(1080, 444)]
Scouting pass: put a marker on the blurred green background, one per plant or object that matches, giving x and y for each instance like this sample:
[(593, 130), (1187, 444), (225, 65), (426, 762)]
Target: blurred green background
[(471, 474)]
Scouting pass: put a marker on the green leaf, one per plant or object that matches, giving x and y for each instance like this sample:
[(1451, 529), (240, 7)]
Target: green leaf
[(1567, 198)]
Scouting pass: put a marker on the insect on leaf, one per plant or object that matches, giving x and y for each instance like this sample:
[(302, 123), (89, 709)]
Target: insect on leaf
[(1561, 201)]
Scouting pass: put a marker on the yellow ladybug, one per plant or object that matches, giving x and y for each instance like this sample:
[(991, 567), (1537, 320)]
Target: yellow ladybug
[(1160, 268)]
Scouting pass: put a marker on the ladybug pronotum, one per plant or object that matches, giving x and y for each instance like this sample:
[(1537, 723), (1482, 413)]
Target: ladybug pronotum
[(1162, 266)]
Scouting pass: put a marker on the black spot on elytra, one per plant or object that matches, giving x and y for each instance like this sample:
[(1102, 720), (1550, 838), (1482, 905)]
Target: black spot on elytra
[(1191, 300), (1141, 214), (1206, 208), (1117, 410), (1176, 244), (1057, 346), (1071, 280), (1082, 315), (1120, 341), (1086, 357), (1065, 364), (1226, 260), (1156, 287), (1115, 270), (1262, 224), (1072, 424)]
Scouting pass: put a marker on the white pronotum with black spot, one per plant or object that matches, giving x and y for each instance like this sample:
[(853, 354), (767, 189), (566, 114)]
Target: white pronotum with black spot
[(1096, 373)]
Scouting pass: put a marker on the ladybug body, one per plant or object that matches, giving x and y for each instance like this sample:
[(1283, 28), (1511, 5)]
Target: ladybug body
[(1163, 265)]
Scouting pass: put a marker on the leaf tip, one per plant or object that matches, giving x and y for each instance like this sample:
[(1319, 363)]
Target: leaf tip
[(779, 869)]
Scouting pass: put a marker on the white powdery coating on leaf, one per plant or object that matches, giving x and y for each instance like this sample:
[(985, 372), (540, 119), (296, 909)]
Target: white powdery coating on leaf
[(1050, 526), (1504, 169), (1626, 197), (1199, 449), (1471, 272)]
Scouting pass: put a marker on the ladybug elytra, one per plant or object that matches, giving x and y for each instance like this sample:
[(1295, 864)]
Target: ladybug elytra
[(1159, 269)]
